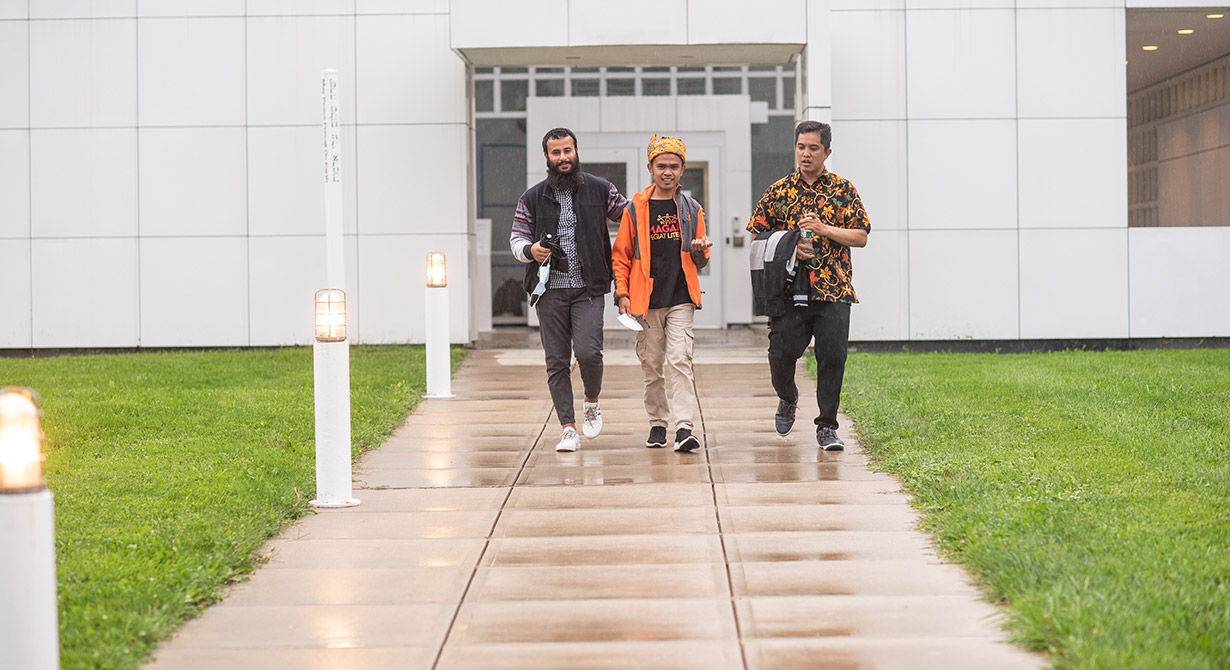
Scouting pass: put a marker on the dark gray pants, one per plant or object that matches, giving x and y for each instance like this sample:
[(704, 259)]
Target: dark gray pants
[(570, 321), (789, 335)]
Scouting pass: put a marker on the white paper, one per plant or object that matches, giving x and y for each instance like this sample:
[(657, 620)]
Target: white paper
[(630, 322)]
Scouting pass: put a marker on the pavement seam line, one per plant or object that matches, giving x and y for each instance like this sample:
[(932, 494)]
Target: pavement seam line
[(730, 582), (487, 543)]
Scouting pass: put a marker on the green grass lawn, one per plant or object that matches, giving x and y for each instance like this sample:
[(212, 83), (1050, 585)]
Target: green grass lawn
[(170, 470), (1089, 491)]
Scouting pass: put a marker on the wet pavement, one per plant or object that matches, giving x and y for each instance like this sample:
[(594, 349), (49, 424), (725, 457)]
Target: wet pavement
[(478, 546)]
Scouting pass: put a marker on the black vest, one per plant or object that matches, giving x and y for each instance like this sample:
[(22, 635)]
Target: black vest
[(593, 240)]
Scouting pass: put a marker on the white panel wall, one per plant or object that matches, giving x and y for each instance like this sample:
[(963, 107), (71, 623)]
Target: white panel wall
[(961, 63), (869, 83), (193, 181), (392, 281), (285, 188), (409, 74), (285, 57), (1178, 280), (393, 157), (963, 285), (1073, 173), (15, 73), (1074, 284), (882, 282), (84, 293), (83, 183), (191, 72), (83, 74), (162, 181), (15, 298), (962, 174), (624, 22), (14, 184), (872, 155), (204, 280), (761, 22)]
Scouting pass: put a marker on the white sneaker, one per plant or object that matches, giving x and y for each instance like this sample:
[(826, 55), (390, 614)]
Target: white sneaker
[(568, 440), (592, 424)]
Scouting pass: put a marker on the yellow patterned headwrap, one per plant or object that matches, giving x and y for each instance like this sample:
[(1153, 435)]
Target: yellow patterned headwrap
[(667, 145)]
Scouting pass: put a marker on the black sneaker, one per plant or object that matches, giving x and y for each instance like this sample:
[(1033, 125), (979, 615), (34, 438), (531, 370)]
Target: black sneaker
[(657, 437), (685, 441), (784, 419), (827, 438)]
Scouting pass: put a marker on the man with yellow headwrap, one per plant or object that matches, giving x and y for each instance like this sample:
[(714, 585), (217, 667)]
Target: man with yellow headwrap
[(660, 246)]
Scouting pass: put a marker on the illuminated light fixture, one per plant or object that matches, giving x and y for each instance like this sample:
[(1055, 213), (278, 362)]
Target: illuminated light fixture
[(330, 315), (437, 272), (1213, 16), (1186, 31), (21, 442), (1149, 48)]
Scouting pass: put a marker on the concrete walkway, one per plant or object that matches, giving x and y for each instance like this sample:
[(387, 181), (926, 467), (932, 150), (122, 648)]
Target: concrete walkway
[(478, 546)]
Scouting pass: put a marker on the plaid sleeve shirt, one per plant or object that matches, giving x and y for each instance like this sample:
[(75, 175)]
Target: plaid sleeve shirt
[(837, 202)]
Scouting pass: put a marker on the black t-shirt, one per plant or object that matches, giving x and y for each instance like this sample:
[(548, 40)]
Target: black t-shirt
[(670, 287)]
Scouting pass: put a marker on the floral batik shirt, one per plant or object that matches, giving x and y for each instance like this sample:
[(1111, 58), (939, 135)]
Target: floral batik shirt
[(837, 202)]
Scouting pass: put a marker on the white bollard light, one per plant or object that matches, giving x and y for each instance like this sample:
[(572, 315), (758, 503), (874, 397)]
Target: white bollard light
[(435, 303), (331, 382), (29, 623)]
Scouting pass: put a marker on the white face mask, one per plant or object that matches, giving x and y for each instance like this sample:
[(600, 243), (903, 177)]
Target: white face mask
[(544, 273)]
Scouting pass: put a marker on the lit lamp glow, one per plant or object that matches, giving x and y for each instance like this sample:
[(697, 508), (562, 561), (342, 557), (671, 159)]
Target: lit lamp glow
[(21, 439), (29, 623), (330, 315), (435, 306), (437, 274)]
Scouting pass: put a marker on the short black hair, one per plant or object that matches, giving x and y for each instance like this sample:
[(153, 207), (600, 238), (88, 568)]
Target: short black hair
[(823, 129), (558, 134)]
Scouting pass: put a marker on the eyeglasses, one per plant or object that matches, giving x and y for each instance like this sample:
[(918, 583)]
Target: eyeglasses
[(544, 273)]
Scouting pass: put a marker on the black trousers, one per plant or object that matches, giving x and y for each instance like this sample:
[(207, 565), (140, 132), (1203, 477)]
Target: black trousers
[(570, 321), (789, 335)]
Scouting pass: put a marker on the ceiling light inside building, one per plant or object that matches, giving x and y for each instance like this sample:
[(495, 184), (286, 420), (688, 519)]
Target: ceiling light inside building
[(1186, 31), (1149, 48), (1214, 16)]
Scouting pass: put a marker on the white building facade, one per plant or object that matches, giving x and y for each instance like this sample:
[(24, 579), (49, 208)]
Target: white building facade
[(160, 172)]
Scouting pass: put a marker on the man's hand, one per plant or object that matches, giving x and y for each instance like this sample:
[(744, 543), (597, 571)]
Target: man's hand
[(625, 305), (701, 244), (811, 221), (805, 251), (539, 252)]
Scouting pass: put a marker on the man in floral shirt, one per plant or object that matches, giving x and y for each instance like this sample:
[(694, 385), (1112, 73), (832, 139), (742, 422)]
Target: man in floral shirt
[(827, 207)]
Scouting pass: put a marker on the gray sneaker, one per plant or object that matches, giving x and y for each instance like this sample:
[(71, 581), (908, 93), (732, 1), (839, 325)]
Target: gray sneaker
[(827, 438), (784, 419)]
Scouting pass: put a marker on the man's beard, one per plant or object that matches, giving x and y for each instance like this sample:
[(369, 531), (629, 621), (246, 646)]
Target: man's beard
[(565, 181)]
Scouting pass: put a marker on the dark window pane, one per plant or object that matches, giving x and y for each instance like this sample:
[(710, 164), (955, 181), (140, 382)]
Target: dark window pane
[(763, 89), (514, 70), (549, 88), (727, 86), (619, 70), (728, 68), (656, 68), (655, 87), (762, 68), (787, 92), (484, 96), (587, 88), (547, 70), (620, 86), (691, 86), (584, 70), (691, 69), (513, 94), (483, 70)]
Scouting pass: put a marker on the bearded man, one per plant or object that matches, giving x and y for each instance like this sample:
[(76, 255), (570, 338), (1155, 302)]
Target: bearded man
[(559, 231)]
